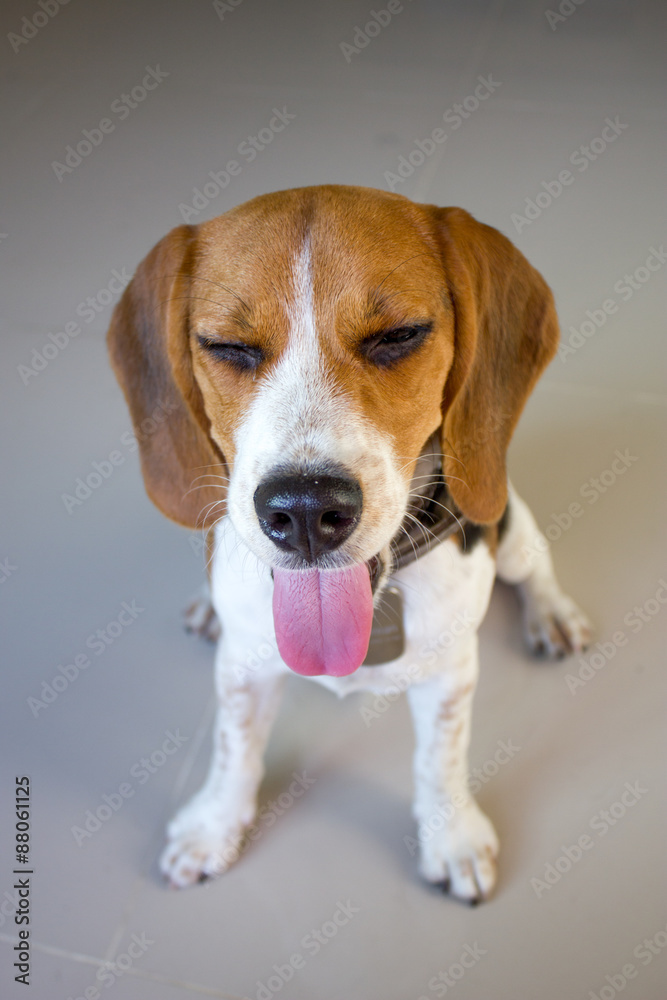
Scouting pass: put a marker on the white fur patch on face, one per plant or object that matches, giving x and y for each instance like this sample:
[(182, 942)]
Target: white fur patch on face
[(301, 421)]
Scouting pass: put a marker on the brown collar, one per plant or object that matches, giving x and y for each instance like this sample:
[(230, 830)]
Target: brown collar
[(432, 515)]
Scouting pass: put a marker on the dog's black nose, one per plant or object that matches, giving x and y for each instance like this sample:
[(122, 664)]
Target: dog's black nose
[(308, 514)]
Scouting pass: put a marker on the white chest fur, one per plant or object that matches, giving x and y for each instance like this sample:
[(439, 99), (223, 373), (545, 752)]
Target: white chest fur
[(445, 597)]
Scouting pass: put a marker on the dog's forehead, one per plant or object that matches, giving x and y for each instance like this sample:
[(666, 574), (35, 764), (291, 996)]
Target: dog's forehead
[(351, 242)]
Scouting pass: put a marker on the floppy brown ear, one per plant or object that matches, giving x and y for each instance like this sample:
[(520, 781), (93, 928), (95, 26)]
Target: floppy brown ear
[(506, 333), (150, 353)]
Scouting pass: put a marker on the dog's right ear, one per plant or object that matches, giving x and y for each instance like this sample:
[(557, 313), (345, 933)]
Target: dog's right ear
[(506, 332), (149, 346)]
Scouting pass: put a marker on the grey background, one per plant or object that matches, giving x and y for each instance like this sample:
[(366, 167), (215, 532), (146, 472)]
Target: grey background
[(66, 574)]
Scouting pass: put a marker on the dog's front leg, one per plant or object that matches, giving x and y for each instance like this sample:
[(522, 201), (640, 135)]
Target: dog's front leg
[(207, 835), (458, 843)]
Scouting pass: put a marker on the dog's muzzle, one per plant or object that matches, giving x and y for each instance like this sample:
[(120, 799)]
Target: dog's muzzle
[(322, 617)]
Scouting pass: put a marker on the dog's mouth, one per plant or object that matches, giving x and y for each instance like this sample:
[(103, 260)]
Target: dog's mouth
[(323, 618), (375, 571)]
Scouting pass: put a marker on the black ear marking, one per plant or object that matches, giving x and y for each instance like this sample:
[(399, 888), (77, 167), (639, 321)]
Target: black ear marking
[(504, 523), (471, 535)]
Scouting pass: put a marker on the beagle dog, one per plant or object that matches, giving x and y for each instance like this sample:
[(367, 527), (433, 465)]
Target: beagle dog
[(342, 371)]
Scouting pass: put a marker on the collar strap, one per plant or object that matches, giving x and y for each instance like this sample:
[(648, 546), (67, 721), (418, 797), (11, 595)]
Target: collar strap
[(432, 515)]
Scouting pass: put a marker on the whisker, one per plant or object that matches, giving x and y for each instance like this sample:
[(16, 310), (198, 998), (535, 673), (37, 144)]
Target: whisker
[(225, 480), (447, 479), (212, 465), (426, 475), (203, 486), (431, 454), (426, 531), (450, 512), (212, 475), (416, 561), (203, 514), (405, 531), (419, 498)]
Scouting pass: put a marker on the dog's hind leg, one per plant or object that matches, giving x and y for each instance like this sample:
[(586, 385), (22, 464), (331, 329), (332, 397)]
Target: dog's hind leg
[(200, 616), (553, 624)]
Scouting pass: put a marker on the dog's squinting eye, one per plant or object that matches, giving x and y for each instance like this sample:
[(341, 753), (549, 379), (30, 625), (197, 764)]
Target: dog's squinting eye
[(385, 348), (243, 357)]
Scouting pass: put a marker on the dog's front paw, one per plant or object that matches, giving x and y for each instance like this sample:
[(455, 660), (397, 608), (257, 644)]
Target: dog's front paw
[(200, 617), (200, 846), (196, 857), (554, 626), (460, 855)]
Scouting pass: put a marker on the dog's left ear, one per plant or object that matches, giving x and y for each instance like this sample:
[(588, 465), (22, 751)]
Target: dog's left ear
[(506, 332), (149, 346)]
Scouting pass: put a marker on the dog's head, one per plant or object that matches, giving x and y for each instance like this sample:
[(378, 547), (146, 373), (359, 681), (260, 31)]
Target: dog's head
[(305, 346)]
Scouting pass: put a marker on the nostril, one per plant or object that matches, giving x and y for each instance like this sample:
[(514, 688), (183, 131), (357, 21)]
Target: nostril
[(332, 518), (280, 519)]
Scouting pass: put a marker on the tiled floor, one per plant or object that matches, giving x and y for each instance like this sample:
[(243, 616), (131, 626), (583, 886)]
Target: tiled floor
[(65, 575)]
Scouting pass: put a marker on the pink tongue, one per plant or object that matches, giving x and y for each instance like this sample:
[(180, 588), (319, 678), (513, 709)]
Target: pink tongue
[(323, 619)]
